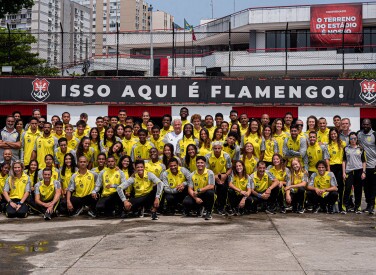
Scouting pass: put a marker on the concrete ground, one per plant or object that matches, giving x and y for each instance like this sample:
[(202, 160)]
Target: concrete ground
[(252, 244)]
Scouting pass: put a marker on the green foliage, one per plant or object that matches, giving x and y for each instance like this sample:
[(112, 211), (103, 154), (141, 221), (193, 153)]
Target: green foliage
[(15, 51), (364, 74), (13, 6)]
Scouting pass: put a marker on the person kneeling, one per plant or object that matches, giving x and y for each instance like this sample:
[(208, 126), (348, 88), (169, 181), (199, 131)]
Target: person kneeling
[(200, 189), (108, 180), (79, 192), (322, 189), (148, 189), (239, 192), (265, 188), (47, 195), (175, 181)]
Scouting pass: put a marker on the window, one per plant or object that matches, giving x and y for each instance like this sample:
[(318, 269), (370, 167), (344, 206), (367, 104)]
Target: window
[(297, 40), (23, 16), (369, 40)]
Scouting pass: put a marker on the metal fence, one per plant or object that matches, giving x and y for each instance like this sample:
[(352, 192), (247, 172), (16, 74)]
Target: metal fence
[(226, 52)]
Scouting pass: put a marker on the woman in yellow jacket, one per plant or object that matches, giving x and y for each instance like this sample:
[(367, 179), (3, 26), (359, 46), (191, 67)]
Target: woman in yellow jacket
[(16, 191)]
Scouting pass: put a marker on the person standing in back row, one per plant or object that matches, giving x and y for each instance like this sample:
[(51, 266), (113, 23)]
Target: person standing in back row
[(10, 139), (367, 139)]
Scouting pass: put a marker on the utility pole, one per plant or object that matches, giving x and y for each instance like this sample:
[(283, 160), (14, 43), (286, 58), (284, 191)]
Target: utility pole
[(212, 8), (150, 9)]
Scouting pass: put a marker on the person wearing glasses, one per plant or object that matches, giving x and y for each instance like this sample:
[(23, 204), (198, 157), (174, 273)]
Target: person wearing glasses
[(300, 124)]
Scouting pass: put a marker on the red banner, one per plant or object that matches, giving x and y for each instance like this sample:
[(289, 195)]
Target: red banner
[(328, 22)]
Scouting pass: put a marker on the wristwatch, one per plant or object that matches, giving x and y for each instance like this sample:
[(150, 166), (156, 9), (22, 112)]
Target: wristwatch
[(198, 190)]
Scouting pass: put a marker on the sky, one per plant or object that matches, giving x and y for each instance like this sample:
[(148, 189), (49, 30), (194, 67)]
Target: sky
[(195, 10)]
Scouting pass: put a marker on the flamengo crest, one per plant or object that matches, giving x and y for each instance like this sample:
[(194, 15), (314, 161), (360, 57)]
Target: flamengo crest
[(40, 89), (368, 91)]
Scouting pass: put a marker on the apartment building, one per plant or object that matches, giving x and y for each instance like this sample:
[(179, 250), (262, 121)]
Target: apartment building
[(130, 15), (45, 19), (162, 21)]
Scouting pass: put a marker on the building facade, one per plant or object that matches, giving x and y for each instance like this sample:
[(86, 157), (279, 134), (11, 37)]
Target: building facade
[(269, 41), (129, 15), (45, 20), (162, 21)]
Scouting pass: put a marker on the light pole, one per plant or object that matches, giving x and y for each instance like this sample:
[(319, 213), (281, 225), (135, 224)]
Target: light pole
[(150, 9)]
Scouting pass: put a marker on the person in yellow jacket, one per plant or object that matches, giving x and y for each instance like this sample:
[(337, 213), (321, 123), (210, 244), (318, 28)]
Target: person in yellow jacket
[(16, 191), (200, 190), (265, 188), (220, 163), (28, 139), (239, 192), (148, 189), (295, 190), (322, 189), (108, 180), (47, 195), (79, 190), (188, 138), (175, 184), (44, 145)]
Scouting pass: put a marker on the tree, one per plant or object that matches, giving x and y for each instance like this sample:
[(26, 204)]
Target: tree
[(13, 6), (15, 51)]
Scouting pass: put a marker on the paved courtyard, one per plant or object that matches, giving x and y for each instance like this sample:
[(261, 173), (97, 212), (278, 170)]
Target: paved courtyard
[(252, 244)]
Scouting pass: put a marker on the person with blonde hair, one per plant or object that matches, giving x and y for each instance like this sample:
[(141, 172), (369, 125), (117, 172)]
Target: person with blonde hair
[(295, 191), (16, 191)]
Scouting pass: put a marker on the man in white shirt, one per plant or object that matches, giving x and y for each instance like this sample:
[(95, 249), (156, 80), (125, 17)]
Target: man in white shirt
[(176, 135)]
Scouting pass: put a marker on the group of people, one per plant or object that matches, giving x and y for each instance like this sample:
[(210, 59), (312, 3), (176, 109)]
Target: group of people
[(125, 167)]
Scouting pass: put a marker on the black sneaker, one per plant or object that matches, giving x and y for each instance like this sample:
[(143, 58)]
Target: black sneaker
[(123, 215), (92, 214), (202, 212), (316, 209), (221, 212), (350, 209), (154, 216), (234, 212), (269, 210), (371, 210), (141, 213), (367, 208), (358, 210), (231, 211), (301, 210), (330, 209), (208, 216), (78, 212), (47, 216), (282, 210)]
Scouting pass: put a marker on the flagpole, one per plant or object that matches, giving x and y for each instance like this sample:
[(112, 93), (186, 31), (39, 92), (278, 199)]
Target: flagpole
[(192, 52)]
